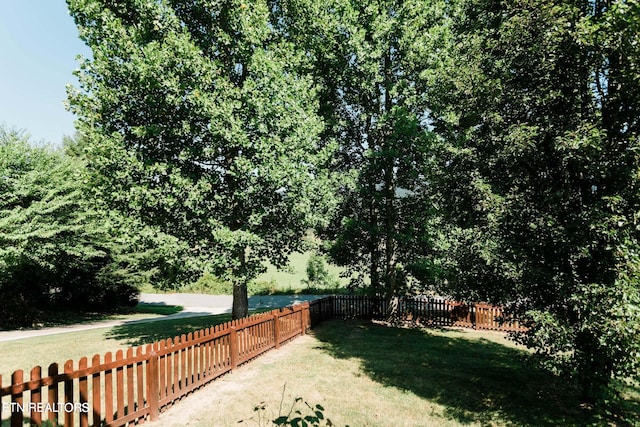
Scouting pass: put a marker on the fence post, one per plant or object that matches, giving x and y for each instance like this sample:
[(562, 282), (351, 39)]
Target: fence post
[(298, 309), (233, 347), (152, 385)]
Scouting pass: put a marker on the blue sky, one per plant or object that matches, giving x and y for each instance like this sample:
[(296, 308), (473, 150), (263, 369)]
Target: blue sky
[(38, 45)]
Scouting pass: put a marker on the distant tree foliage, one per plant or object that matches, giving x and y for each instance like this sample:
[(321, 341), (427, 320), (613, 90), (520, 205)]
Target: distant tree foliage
[(55, 251), (61, 248), (318, 275)]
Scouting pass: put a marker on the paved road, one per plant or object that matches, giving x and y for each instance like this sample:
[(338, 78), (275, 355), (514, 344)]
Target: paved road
[(224, 301), (194, 305)]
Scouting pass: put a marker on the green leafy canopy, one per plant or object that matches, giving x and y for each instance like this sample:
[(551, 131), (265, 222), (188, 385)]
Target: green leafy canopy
[(200, 122)]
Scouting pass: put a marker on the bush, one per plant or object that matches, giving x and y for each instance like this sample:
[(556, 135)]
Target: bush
[(209, 284), (263, 287)]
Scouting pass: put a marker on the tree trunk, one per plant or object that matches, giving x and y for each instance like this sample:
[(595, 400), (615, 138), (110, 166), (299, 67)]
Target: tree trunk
[(390, 217), (374, 246), (240, 306), (390, 274), (390, 278)]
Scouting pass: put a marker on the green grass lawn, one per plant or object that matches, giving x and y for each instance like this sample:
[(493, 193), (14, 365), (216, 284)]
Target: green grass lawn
[(475, 377), (364, 374), (41, 351), (292, 277)]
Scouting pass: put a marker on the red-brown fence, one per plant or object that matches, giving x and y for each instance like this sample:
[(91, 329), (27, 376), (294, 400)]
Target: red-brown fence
[(428, 311), (142, 382)]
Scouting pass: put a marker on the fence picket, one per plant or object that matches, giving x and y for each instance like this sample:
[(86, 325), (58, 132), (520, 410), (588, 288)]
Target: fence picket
[(189, 377), (17, 400), (52, 395), (83, 390), (162, 362), (176, 368), (68, 392), (119, 386), (108, 389), (183, 363), (130, 383), (36, 396), (202, 366), (139, 380), (276, 329), (233, 347), (96, 400)]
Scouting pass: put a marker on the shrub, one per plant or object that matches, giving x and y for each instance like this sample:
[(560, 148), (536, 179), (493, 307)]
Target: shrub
[(209, 284)]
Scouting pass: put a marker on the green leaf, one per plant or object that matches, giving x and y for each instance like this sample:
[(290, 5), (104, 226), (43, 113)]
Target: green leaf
[(282, 420)]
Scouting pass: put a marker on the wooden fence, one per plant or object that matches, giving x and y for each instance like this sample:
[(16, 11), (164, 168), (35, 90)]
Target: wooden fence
[(130, 387), (428, 311)]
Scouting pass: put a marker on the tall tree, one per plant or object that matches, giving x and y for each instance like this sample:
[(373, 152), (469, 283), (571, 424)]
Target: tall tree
[(358, 53), (199, 121), (537, 104)]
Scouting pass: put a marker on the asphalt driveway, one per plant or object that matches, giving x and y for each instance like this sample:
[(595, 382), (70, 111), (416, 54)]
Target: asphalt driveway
[(224, 302), (194, 305)]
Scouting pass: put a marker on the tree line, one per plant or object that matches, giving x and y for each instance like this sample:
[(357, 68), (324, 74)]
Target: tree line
[(480, 149), (61, 248)]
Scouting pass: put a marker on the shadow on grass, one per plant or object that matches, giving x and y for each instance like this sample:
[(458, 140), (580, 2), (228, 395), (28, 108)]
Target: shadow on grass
[(135, 334), (54, 318), (59, 317), (474, 378)]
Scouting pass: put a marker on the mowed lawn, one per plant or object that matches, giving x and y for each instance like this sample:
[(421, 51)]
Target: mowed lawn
[(364, 374), (291, 278), (41, 351)]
